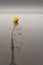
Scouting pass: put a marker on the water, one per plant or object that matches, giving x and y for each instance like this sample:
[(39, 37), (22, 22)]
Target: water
[(30, 41)]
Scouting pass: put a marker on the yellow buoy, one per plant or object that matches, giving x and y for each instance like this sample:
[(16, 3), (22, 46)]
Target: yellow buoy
[(15, 20)]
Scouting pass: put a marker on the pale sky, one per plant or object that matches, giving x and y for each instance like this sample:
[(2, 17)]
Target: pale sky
[(21, 5)]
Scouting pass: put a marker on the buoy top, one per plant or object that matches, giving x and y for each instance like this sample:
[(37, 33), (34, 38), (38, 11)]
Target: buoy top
[(15, 19)]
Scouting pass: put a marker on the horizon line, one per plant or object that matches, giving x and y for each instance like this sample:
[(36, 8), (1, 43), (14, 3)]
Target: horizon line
[(21, 12)]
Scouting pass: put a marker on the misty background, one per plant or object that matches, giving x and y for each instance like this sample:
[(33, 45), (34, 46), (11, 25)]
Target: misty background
[(30, 13)]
